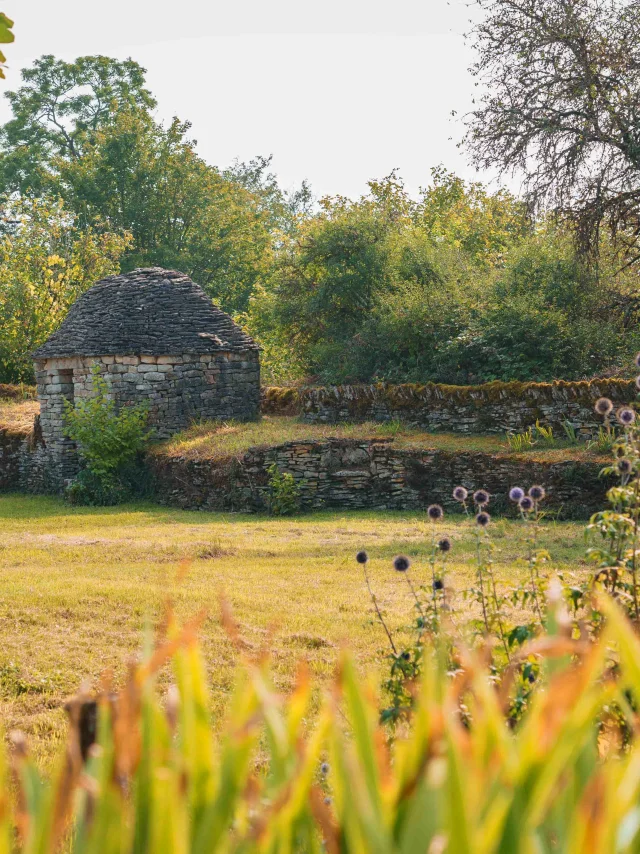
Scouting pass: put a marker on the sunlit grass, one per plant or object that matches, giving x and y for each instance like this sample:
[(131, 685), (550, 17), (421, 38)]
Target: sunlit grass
[(78, 585), (212, 440), (16, 416)]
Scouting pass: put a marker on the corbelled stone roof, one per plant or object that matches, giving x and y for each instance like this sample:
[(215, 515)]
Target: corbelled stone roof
[(150, 311)]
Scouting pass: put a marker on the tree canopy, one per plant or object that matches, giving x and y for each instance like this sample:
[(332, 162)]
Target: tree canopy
[(6, 37), (57, 112), (559, 104), (458, 283), (46, 261)]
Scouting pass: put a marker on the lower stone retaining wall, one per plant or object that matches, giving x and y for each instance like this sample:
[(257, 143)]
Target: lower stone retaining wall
[(490, 408), (333, 473), (373, 474), (11, 445)]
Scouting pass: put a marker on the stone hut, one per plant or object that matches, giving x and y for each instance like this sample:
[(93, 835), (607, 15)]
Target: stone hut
[(157, 337)]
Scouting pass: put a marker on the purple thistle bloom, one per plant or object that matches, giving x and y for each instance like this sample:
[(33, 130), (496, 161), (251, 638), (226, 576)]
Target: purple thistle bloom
[(603, 406), (438, 584), (460, 493), (537, 493), (362, 557), (401, 563), (483, 519), (526, 504), (625, 466), (435, 512), (481, 497), (626, 416), (444, 544), (516, 493)]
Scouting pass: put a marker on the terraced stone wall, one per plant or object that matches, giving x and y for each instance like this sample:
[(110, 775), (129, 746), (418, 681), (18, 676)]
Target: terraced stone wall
[(490, 408), (356, 474)]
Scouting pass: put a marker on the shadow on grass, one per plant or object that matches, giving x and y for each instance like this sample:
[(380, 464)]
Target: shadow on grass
[(18, 506)]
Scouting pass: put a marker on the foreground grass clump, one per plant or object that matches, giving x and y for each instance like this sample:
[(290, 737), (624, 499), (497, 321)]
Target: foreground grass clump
[(78, 584), (457, 779)]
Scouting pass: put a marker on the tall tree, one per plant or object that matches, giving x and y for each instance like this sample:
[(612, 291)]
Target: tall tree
[(139, 176), (560, 104), (58, 111)]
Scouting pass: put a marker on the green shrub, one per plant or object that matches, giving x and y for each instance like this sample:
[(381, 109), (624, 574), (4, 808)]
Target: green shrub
[(283, 498), (88, 489), (108, 442)]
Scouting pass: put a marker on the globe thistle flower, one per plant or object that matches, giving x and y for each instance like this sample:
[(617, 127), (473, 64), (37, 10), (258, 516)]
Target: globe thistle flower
[(324, 768), (362, 557), (483, 519), (435, 512), (637, 360), (626, 416), (516, 493), (460, 493), (438, 584), (481, 497), (401, 563), (625, 466), (537, 493), (444, 544), (603, 406), (526, 504)]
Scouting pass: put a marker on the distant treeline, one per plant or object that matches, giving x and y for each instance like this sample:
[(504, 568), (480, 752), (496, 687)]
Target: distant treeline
[(459, 285)]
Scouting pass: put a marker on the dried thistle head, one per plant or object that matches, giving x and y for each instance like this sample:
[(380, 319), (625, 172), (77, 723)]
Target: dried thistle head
[(435, 512), (401, 563), (603, 406)]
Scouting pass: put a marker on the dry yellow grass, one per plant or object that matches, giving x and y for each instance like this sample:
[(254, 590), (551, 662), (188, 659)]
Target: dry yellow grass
[(16, 416), (79, 584), (211, 440)]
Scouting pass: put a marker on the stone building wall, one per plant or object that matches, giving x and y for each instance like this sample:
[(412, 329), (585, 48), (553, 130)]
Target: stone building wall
[(489, 408), (357, 474), (179, 389)]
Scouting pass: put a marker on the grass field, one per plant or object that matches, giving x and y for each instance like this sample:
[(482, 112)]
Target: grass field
[(212, 440), (77, 586)]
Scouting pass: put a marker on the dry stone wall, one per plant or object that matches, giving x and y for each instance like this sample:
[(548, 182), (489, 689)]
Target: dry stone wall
[(489, 408), (10, 452), (372, 474), (333, 473)]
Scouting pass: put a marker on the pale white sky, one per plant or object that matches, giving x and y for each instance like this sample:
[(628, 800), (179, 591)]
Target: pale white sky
[(339, 91)]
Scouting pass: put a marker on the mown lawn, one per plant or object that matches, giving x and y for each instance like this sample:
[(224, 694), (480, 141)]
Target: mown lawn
[(77, 586)]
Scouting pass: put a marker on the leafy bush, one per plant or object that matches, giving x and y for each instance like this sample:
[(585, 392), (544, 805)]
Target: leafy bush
[(88, 489), (108, 441), (283, 498)]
